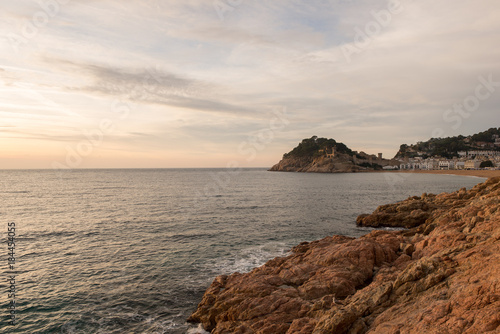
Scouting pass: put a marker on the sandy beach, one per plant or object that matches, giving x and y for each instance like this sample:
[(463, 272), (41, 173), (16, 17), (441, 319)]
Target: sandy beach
[(478, 173)]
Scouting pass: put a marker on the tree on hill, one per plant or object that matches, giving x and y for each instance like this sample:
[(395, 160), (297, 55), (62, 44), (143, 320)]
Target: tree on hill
[(310, 147), (369, 165), (486, 136), (447, 147), (486, 164)]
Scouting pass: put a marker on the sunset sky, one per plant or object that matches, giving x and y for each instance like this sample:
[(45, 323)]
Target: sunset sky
[(202, 83)]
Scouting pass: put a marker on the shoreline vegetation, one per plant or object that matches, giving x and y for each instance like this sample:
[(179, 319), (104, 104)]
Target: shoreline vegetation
[(439, 274)]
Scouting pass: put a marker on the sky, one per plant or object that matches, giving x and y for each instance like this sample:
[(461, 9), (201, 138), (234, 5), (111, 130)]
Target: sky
[(218, 83)]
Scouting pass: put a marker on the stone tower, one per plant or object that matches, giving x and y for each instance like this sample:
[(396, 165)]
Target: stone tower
[(331, 155)]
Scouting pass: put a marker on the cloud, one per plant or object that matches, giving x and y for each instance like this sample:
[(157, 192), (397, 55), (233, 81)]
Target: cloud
[(31, 134), (150, 86), (196, 78)]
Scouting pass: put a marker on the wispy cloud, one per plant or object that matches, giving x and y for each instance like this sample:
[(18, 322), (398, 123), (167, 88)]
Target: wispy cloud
[(150, 85)]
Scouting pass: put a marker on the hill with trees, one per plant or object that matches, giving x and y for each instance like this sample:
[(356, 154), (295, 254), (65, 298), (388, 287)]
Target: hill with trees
[(450, 146), (311, 147), (322, 155)]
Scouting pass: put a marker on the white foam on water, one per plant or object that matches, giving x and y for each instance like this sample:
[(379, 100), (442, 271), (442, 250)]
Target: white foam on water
[(197, 330), (249, 258)]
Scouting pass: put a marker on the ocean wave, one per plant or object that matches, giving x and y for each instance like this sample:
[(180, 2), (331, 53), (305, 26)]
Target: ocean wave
[(248, 258), (197, 330), (105, 188), (16, 192), (49, 234), (186, 237), (252, 207)]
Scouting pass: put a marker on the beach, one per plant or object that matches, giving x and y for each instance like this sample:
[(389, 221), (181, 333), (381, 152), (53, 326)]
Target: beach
[(477, 173)]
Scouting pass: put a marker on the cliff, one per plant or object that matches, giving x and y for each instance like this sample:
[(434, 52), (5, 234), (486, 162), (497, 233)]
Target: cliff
[(439, 276), (320, 164), (321, 155)]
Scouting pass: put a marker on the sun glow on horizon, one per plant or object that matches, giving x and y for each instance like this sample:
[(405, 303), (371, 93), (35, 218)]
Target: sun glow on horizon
[(143, 84)]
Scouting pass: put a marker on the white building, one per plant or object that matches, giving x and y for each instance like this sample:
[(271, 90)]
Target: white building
[(472, 164), (405, 166), (483, 153), (431, 164), (446, 164)]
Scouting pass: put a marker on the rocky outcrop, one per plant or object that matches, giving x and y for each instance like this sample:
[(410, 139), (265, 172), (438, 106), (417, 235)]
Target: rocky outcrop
[(440, 276), (341, 164), (413, 211), (321, 155)]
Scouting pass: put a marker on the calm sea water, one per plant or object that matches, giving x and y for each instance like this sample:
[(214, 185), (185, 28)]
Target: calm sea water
[(132, 251)]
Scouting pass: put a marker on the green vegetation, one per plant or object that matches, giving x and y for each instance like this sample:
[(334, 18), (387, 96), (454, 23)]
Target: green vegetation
[(486, 136), (310, 147), (450, 146), (486, 164), (369, 165)]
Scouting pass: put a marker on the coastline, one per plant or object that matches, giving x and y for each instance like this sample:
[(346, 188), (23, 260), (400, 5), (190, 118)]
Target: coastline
[(437, 275), (476, 173), (459, 172)]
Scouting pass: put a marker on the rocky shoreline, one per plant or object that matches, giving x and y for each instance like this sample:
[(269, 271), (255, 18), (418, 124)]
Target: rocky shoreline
[(440, 275), (341, 163), (317, 165)]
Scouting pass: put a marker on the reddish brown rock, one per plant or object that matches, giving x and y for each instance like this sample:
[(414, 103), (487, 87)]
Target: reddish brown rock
[(409, 213), (341, 164), (440, 277)]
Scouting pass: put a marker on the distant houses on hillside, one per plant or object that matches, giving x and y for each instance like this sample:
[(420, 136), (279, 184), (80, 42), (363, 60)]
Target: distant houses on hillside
[(465, 160), (483, 151)]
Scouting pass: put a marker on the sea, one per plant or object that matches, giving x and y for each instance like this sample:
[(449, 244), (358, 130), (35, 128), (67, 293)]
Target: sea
[(133, 250)]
